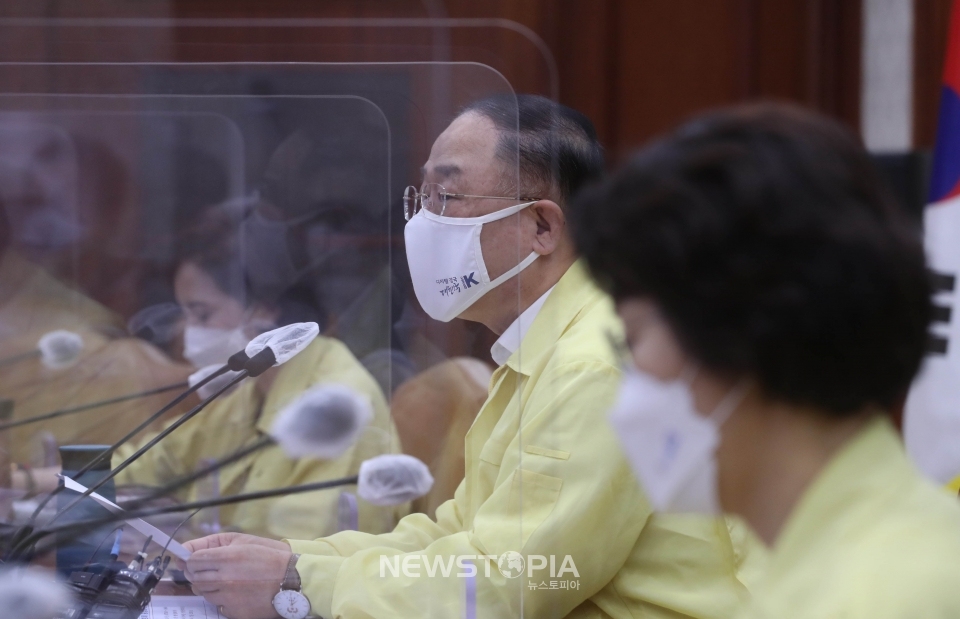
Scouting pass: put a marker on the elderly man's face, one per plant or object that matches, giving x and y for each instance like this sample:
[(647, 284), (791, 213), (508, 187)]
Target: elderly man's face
[(463, 160), (39, 184)]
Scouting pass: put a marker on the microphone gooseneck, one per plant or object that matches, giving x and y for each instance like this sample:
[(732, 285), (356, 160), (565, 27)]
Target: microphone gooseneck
[(56, 349), (90, 406), (397, 479), (261, 362), (136, 455), (26, 536), (238, 361), (13, 359), (108, 452), (326, 419), (178, 483), (273, 348), (74, 529)]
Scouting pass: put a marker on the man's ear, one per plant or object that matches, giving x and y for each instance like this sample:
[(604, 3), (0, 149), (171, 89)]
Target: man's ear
[(551, 226)]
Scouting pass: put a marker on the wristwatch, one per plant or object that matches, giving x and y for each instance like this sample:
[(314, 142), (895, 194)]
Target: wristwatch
[(290, 602)]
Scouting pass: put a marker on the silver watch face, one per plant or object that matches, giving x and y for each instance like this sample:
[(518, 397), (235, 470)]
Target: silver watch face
[(291, 604)]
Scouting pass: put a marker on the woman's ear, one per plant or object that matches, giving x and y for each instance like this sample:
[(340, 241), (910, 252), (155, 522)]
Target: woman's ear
[(551, 223)]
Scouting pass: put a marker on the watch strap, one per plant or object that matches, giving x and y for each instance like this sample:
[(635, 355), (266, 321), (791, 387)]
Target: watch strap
[(291, 579)]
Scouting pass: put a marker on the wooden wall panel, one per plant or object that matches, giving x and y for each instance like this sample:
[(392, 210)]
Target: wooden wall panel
[(676, 57), (931, 23), (636, 67)]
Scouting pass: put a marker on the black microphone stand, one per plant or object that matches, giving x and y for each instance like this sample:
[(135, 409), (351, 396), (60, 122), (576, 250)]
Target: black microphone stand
[(236, 363), (74, 529), (256, 365), (90, 406)]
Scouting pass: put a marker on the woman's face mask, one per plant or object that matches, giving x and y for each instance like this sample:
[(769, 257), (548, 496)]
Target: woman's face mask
[(217, 324), (671, 447), (203, 346)]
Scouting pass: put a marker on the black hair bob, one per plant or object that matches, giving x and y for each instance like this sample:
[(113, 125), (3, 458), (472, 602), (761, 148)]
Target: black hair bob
[(766, 238)]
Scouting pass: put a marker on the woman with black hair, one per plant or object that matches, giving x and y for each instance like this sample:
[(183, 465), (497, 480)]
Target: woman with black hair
[(776, 308)]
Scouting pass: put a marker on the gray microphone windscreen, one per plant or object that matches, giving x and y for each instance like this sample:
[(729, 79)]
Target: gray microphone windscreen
[(392, 479), (59, 349), (323, 422)]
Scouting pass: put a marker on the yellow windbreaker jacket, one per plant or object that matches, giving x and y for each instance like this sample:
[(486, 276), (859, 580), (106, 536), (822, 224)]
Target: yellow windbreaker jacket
[(545, 479)]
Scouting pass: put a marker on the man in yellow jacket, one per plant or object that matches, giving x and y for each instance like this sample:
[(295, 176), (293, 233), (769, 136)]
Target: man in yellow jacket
[(548, 521)]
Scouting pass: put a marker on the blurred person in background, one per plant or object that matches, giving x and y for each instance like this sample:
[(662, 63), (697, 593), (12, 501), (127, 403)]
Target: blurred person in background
[(222, 314), (776, 306), (41, 225), (321, 224), (543, 474)]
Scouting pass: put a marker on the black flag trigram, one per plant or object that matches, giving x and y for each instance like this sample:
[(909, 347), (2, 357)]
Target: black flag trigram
[(942, 282)]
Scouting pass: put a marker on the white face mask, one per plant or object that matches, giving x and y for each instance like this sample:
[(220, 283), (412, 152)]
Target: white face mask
[(203, 346), (670, 446), (446, 261)]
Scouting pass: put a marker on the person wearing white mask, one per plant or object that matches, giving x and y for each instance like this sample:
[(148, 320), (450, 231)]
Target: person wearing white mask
[(776, 305), (222, 314), (217, 324), (318, 220), (51, 198), (543, 476)]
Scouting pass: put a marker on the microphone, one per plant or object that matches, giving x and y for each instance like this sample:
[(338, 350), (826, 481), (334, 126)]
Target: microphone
[(56, 349), (238, 362), (398, 478), (32, 593), (90, 406), (391, 479), (136, 455), (106, 453), (322, 423), (286, 342), (267, 350), (25, 537)]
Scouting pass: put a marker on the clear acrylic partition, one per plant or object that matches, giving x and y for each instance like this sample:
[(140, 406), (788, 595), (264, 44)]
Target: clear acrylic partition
[(170, 189)]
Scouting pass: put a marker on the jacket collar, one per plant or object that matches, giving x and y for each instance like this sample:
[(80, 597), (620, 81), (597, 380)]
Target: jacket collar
[(571, 295)]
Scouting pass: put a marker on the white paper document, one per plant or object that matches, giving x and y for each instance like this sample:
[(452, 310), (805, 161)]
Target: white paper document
[(159, 537), (180, 607)]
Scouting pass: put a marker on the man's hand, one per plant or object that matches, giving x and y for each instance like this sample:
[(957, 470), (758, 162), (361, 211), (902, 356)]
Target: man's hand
[(239, 577), (220, 540)]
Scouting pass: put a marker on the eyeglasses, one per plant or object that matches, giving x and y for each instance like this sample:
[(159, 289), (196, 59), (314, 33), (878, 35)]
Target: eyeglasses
[(433, 197)]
